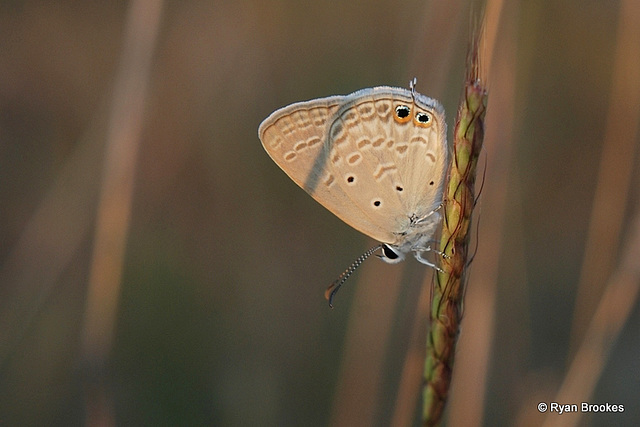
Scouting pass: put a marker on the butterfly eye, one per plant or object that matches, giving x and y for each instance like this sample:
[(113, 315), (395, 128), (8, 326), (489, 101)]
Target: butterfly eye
[(388, 252), (423, 119), (402, 114)]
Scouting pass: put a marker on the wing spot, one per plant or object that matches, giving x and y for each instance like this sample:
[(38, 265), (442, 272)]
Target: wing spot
[(399, 188), (402, 148), (382, 170), (366, 111), (351, 179), (313, 141), (329, 180), (423, 119), (354, 159), (338, 135), (336, 130), (276, 142), (402, 114), (288, 127), (377, 203), (303, 119), (383, 108), (350, 117), (418, 138), (362, 143), (402, 111), (290, 156), (317, 117), (431, 157), (378, 142), (336, 158), (300, 146)]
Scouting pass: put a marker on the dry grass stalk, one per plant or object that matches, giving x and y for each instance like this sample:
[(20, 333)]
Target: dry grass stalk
[(459, 200)]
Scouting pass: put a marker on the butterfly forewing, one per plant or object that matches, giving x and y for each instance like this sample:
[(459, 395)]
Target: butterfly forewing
[(296, 139)]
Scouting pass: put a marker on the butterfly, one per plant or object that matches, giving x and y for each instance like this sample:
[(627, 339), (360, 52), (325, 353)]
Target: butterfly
[(376, 158)]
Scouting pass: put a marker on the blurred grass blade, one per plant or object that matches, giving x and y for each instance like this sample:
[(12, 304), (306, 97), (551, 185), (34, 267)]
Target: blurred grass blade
[(114, 206)]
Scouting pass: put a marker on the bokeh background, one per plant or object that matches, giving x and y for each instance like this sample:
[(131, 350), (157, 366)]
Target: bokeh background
[(156, 268)]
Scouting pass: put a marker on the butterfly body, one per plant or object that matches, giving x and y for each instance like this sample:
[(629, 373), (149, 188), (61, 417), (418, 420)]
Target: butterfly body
[(375, 158)]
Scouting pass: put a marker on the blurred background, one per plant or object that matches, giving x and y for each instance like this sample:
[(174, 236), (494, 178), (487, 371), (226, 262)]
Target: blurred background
[(157, 268)]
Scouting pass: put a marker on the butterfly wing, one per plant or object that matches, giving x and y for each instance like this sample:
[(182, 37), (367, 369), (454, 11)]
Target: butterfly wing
[(355, 156), (391, 167), (295, 137)]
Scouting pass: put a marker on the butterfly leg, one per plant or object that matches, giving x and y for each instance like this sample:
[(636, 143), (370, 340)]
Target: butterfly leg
[(418, 255), (430, 249), (442, 254)]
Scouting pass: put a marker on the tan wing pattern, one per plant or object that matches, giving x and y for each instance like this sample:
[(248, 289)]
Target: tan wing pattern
[(391, 167), (356, 156), (295, 138)]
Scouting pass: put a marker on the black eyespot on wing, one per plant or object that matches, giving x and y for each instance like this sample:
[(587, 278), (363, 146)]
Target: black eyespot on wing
[(398, 188), (423, 118), (431, 183), (350, 179), (402, 111), (377, 203)]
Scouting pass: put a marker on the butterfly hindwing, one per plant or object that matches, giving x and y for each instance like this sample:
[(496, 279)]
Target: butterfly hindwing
[(392, 168)]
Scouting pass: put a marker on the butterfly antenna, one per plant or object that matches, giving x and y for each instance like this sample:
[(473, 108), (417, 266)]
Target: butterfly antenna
[(332, 290), (412, 85)]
